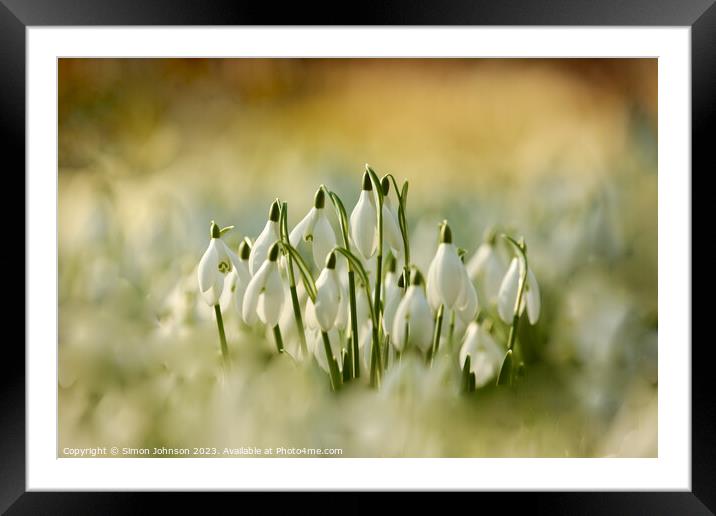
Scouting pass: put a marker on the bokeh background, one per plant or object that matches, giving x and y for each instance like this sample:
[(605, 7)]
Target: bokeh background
[(560, 151)]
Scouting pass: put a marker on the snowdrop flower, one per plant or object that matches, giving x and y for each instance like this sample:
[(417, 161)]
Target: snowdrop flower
[(265, 240), (216, 263), (264, 294), (328, 295), (485, 355), (391, 227), (487, 268), (467, 305), (237, 280), (315, 229), (392, 293), (507, 297), (364, 220), (447, 277), (413, 314)]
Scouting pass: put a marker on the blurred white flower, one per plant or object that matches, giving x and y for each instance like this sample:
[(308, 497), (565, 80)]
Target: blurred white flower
[(364, 220), (485, 354), (315, 229), (216, 263), (413, 314), (447, 278), (507, 297), (487, 268), (328, 294), (265, 240), (265, 294)]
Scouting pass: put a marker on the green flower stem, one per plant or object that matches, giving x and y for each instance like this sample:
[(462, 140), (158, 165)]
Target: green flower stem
[(466, 374), (506, 371), (297, 310), (279, 339), (386, 352), (375, 361), (283, 227), (436, 335), (375, 366), (516, 317), (332, 365), (222, 334), (355, 357)]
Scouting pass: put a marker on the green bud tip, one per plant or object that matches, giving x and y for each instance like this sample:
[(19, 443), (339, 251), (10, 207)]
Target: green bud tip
[(331, 261), (319, 201), (244, 250), (445, 233), (385, 185), (274, 211), (390, 263), (401, 280), (490, 236), (214, 230), (273, 252), (367, 183), (417, 279)]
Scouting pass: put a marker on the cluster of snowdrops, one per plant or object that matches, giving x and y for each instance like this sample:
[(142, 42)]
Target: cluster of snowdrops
[(364, 304)]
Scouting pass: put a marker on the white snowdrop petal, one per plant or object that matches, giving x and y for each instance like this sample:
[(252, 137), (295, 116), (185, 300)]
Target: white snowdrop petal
[(271, 299), (327, 299), (324, 239), (397, 335), (421, 322), (303, 228), (227, 292), (260, 249), (532, 298), (253, 290), (363, 222), (433, 295), (208, 267), (391, 228), (507, 297), (448, 275)]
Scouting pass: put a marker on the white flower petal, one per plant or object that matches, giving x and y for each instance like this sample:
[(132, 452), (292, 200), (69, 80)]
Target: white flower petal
[(253, 290), (363, 224), (303, 228), (324, 239), (448, 275), (507, 297), (391, 228), (265, 240), (532, 297), (270, 300), (327, 299), (208, 267), (433, 295)]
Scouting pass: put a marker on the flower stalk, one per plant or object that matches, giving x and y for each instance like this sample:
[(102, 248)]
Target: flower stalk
[(283, 226)]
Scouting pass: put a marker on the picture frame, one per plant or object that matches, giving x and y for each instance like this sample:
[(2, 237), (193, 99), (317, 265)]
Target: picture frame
[(16, 16)]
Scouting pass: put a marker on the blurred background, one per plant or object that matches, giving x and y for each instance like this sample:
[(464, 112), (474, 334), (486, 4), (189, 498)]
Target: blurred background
[(560, 151)]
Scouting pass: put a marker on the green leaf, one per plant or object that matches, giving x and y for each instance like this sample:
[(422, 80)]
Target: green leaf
[(342, 217), (505, 376)]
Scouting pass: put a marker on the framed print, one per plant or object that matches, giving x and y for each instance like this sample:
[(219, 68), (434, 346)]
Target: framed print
[(441, 250)]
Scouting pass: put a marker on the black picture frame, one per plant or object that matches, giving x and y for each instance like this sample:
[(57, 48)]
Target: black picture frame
[(17, 15)]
